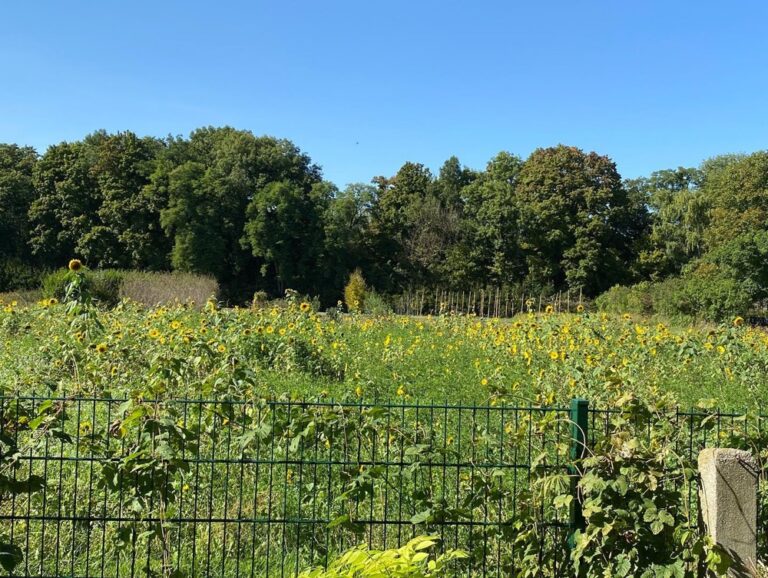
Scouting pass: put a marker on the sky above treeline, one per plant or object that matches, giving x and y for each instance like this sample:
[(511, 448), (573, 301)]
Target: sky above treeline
[(364, 86)]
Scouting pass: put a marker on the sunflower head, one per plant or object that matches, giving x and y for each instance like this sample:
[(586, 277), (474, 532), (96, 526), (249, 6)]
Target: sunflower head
[(75, 265), (738, 322)]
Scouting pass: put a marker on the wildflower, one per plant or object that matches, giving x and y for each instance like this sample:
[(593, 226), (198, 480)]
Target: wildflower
[(221, 348), (401, 391), (270, 329), (554, 355), (101, 347), (484, 381), (738, 322), (75, 265), (305, 307)]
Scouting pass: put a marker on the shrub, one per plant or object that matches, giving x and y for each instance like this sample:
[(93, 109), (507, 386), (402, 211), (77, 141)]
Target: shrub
[(706, 292), (375, 304), (636, 299), (410, 561), (16, 276), (260, 299), (104, 286), (354, 292)]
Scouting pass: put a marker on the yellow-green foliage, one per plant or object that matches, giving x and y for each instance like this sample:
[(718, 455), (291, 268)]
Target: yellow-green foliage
[(411, 561), (354, 292), (534, 358)]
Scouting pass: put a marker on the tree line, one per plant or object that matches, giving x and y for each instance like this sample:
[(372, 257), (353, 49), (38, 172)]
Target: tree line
[(256, 213)]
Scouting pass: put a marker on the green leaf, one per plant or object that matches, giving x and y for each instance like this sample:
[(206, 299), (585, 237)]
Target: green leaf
[(422, 517), (10, 556)]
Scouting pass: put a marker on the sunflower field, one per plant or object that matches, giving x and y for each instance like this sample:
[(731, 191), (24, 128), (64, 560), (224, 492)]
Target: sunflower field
[(181, 441)]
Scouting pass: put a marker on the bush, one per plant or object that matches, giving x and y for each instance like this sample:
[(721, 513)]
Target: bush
[(410, 561), (375, 304), (104, 286), (636, 299), (354, 292), (17, 276), (705, 293)]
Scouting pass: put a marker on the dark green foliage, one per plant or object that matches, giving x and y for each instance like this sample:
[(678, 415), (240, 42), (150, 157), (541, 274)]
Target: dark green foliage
[(103, 286), (16, 195), (254, 213), (577, 223), (17, 275)]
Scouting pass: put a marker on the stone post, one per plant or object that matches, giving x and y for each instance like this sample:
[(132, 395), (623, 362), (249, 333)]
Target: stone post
[(728, 503)]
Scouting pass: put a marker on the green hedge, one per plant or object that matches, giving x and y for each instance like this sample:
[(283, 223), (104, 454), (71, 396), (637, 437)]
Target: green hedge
[(103, 285), (705, 294)]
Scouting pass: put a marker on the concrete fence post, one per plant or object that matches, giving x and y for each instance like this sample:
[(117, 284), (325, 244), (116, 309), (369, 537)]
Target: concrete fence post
[(728, 503)]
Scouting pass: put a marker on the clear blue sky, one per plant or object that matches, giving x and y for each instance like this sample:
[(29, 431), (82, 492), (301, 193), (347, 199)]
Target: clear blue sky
[(363, 86)]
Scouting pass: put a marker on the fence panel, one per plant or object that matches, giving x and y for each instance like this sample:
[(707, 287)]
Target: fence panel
[(104, 487)]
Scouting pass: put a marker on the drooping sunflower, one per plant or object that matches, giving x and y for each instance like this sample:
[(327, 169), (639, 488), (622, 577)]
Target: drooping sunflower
[(75, 265), (738, 322)]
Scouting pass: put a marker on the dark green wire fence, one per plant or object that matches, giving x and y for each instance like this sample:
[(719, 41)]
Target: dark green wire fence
[(105, 487)]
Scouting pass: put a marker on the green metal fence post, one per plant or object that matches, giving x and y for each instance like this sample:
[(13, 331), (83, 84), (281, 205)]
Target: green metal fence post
[(579, 436)]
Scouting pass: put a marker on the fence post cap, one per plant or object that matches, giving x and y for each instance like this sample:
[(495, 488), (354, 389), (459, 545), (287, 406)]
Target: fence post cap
[(726, 456)]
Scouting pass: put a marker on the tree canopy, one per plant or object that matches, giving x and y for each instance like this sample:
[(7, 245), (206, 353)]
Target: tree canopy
[(255, 212)]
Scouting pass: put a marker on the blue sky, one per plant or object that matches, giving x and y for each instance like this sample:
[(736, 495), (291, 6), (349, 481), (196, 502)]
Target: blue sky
[(363, 86)]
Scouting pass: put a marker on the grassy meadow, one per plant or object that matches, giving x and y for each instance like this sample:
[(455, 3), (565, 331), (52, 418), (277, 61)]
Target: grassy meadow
[(295, 456), (539, 359)]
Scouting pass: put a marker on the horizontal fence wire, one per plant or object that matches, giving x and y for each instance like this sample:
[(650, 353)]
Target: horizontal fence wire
[(118, 487)]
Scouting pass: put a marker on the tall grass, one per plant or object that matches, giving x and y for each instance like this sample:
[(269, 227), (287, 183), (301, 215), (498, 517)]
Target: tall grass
[(153, 289)]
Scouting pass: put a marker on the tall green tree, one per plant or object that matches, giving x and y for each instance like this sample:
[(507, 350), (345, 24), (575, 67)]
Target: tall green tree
[(578, 226), (678, 215), (284, 229), (66, 203), (489, 252), (210, 181), (346, 223), (736, 189), (17, 193)]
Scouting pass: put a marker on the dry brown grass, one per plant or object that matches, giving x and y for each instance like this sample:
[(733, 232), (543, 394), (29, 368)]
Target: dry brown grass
[(22, 297), (153, 289)]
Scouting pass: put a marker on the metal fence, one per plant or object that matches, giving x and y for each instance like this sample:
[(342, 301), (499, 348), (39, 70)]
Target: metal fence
[(105, 487)]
